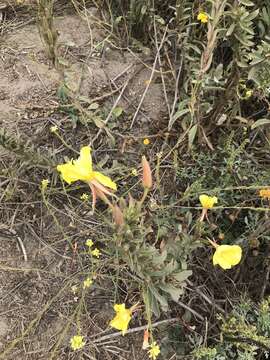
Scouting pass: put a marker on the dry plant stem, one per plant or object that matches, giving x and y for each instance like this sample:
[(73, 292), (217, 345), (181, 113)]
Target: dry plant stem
[(161, 71), (195, 313), (150, 80), (137, 329), (111, 112)]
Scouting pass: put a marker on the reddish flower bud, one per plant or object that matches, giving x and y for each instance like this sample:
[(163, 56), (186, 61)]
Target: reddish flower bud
[(118, 216), (147, 174)]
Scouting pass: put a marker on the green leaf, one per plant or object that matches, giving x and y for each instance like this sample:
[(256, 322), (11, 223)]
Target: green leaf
[(172, 290), (260, 122), (182, 275), (191, 135), (161, 299), (93, 106), (117, 111)]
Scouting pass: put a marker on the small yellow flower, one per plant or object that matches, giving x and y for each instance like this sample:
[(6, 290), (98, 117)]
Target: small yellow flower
[(74, 289), (84, 197), (227, 256), (248, 94), (146, 141), (202, 17), (89, 243), (134, 172), (44, 184), (265, 193), (154, 351), (96, 252), (77, 342), (87, 283), (122, 317), (53, 129), (208, 201)]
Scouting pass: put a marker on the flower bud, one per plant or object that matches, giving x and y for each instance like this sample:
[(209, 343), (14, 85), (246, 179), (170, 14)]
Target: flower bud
[(147, 175), (118, 216)]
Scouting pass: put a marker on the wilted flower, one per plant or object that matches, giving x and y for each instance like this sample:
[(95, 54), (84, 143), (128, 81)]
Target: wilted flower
[(77, 342), (202, 17), (227, 256), (122, 317), (154, 351), (118, 216), (147, 174), (145, 339)]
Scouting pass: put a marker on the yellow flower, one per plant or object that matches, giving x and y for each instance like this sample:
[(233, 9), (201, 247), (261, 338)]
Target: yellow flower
[(154, 351), (227, 256), (87, 283), (265, 193), (53, 129), (84, 197), (89, 243), (208, 201), (96, 252), (134, 172), (74, 289), (122, 317), (77, 342), (202, 17), (146, 141), (248, 94), (81, 169), (44, 184)]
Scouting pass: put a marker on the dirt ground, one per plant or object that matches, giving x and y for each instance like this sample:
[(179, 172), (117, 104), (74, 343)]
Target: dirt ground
[(33, 274)]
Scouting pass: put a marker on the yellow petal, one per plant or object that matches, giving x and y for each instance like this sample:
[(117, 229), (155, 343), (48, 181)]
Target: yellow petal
[(80, 169), (85, 159), (104, 180), (68, 172), (227, 256), (208, 201)]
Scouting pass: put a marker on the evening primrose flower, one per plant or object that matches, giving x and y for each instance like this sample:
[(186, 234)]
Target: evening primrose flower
[(87, 283), (96, 252), (265, 193), (76, 342), (122, 317), (227, 256), (208, 202), (154, 351), (81, 169), (202, 17)]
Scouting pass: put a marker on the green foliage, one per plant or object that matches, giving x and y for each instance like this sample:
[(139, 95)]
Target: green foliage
[(245, 334), (159, 265)]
